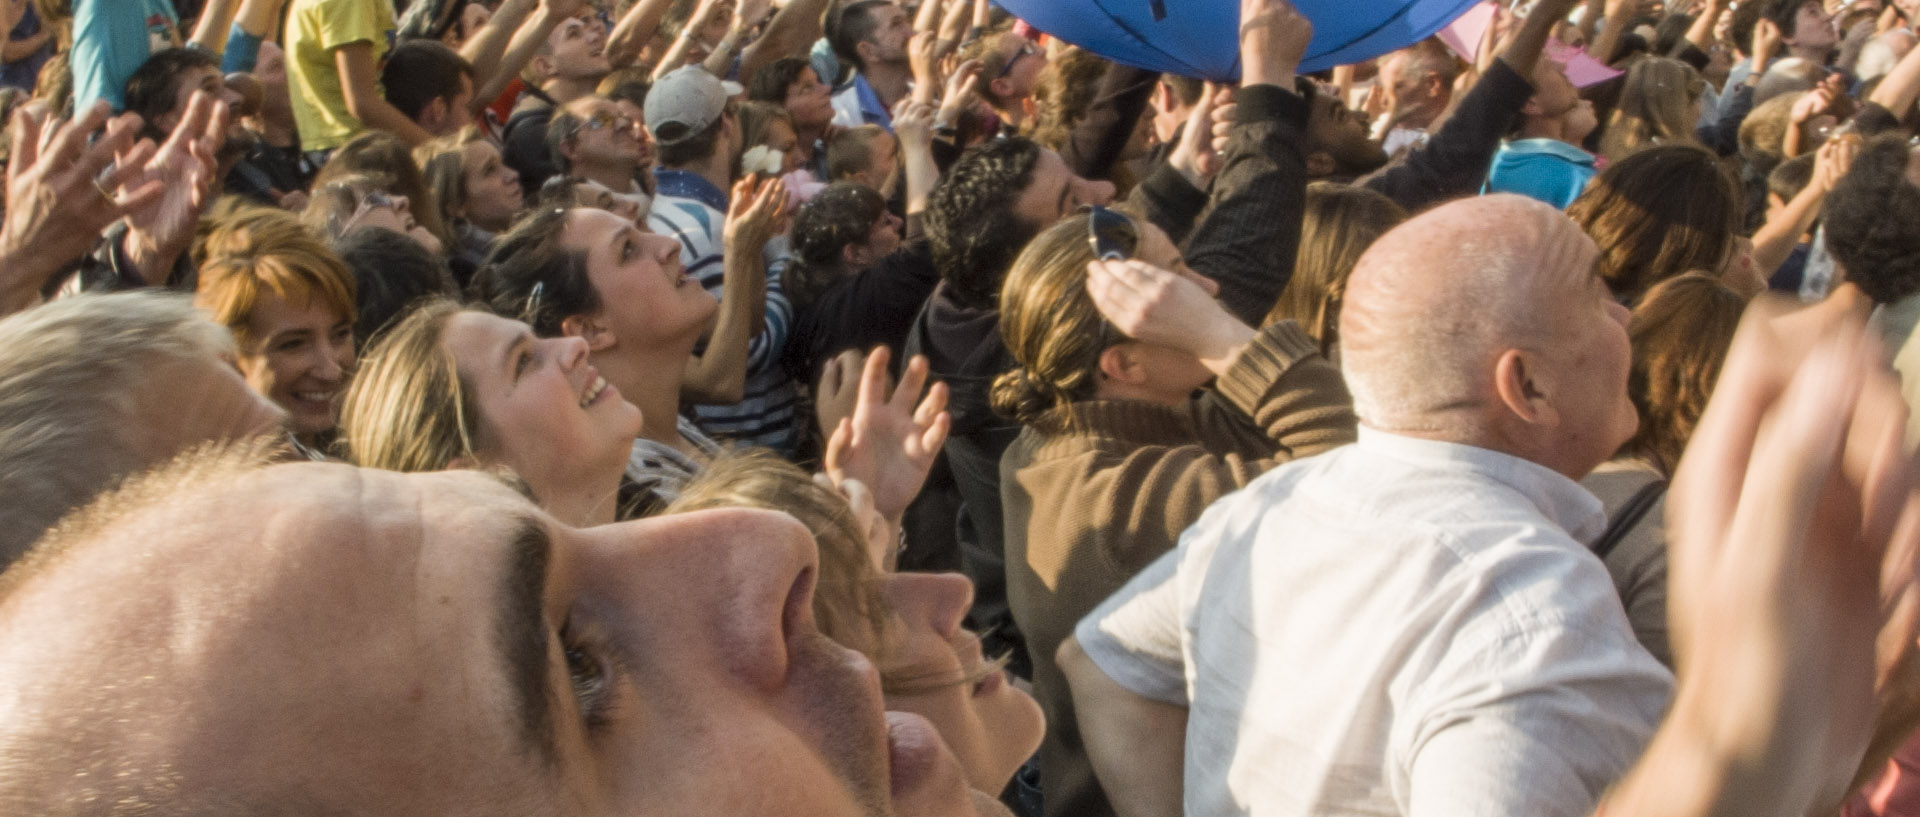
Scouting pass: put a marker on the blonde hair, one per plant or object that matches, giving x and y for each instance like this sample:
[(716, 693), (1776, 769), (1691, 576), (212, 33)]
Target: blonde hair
[(259, 250), (1051, 327), (407, 408), (1341, 222), (847, 602), (71, 383), (444, 172), (1655, 107)]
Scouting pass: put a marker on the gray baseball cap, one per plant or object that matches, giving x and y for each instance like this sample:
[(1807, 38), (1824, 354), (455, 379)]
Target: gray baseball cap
[(685, 102)]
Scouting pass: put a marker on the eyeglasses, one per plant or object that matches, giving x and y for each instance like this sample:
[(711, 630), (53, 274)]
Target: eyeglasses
[(1111, 234), (1026, 50), (604, 120)]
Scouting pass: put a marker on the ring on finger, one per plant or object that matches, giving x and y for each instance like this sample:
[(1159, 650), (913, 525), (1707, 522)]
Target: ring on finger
[(104, 192)]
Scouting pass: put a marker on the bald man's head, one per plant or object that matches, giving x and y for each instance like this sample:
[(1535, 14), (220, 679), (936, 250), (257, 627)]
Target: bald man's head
[(1433, 307)]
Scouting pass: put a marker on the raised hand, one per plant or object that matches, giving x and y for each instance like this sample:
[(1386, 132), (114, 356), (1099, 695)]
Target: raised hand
[(754, 216), (891, 441), (1273, 39), (187, 170), (1791, 521), (1195, 155), (961, 91), (62, 192), (1166, 308)]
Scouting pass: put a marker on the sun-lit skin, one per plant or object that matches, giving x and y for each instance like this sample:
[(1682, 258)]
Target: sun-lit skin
[(301, 353), (435, 644)]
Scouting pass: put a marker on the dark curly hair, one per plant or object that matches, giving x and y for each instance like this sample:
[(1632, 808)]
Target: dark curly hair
[(529, 277), (839, 216), (970, 221), (1872, 220)]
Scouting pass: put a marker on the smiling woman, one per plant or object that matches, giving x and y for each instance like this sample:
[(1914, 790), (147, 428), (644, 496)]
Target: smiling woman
[(290, 304), (456, 388)]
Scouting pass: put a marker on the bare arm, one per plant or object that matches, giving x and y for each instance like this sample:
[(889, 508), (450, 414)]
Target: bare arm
[(1137, 746), (790, 33), (1774, 241), (210, 33), (354, 61), (914, 127), (719, 374), (258, 17), (683, 44), (1607, 42), (1701, 32), (17, 50), (1523, 53), (636, 27), (484, 49), (1897, 91)]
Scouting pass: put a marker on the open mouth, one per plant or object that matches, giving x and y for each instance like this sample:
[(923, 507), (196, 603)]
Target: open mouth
[(595, 388)]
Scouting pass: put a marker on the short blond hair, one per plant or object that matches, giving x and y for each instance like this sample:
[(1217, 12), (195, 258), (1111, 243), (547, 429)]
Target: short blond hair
[(71, 382)]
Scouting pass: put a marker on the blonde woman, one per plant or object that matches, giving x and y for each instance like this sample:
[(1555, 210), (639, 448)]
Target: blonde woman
[(450, 387), (907, 624), (1659, 104), (1341, 222)]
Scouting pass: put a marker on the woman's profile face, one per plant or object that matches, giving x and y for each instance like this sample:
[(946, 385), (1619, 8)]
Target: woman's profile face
[(544, 411), (493, 189), (646, 295), (990, 724)]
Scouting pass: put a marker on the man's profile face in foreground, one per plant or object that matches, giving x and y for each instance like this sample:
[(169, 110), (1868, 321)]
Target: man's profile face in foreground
[(222, 636)]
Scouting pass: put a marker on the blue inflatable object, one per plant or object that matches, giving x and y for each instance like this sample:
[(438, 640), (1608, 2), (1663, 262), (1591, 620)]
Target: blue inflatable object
[(1201, 38)]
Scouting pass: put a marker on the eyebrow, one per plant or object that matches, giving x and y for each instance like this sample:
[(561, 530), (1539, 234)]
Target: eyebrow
[(522, 630)]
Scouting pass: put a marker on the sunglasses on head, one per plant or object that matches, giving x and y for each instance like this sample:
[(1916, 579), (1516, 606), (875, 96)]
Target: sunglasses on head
[(1027, 49), (1111, 234)]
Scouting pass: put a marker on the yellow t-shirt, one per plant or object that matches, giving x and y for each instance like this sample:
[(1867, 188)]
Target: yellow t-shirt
[(315, 28)]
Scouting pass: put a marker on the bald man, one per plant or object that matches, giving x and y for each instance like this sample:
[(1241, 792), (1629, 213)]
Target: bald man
[(1410, 624)]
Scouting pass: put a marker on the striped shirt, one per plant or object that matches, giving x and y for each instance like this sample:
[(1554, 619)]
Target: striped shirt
[(690, 209)]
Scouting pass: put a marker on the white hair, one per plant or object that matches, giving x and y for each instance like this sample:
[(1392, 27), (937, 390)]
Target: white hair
[(71, 377)]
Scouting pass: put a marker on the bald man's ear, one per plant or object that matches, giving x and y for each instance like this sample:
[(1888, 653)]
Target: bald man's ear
[(1320, 163), (1120, 364), (1532, 108), (1513, 381)]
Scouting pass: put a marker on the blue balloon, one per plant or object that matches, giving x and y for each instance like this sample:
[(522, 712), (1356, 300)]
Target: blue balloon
[(1201, 38)]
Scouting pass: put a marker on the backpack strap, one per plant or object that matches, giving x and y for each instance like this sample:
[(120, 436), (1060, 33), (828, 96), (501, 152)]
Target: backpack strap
[(1628, 517)]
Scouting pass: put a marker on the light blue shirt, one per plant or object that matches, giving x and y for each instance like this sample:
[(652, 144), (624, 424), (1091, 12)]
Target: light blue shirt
[(111, 38), (1398, 626)]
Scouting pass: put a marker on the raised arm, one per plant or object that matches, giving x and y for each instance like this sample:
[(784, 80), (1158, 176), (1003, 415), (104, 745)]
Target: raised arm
[(790, 33), (718, 375), (1898, 89), (635, 28), (358, 82), (1248, 236)]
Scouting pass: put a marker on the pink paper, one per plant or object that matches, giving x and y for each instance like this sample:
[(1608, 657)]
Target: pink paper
[(1582, 70), (1463, 35)]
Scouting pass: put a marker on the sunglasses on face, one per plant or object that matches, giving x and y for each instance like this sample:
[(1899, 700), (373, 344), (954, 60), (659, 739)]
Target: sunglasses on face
[(1026, 50), (1111, 235), (604, 120)]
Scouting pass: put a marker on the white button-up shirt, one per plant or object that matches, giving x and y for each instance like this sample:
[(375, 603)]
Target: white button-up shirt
[(1399, 626)]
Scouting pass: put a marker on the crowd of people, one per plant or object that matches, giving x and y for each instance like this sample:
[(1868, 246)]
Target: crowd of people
[(881, 407)]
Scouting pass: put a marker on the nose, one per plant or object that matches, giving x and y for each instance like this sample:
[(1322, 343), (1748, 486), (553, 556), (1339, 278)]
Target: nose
[(731, 589), (1100, 193), (572, 352), (940, 600), (400, 204)]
